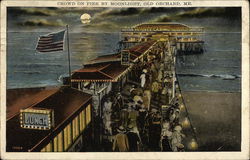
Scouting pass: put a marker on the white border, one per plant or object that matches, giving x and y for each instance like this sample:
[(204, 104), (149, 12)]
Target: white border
[(244, 154)]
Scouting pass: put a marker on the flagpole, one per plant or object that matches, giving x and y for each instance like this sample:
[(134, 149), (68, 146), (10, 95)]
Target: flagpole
[(67, 26)]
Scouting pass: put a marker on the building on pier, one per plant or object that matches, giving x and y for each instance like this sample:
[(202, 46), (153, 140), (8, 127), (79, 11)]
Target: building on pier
[(48, 120), (188, 40), (105, 73)]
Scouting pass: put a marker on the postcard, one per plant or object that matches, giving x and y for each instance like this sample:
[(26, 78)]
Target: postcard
[(124, 79)]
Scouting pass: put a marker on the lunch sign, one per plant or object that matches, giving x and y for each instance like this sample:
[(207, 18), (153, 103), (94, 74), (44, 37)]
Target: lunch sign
[(36, 118)]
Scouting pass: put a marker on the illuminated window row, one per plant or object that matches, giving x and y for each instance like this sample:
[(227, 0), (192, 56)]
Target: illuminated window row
[(68, 135)]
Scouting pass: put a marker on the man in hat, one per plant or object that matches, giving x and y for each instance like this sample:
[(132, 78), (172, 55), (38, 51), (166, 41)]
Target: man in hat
[(146, 99), (107, 110), (124, 116), (166, 135), (121, 141), (119, 99), (132, 116), (155, 131), (160, 76), (133, 139), (131, 103), (137, 99), (133, 91), (141, 119), (177, 138), (177, 116), (107, 105), (156, 90), (171, 115), (107, 122)]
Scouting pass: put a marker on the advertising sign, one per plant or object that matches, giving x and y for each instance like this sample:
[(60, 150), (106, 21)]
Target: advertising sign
[(125, 57), (41, 119)]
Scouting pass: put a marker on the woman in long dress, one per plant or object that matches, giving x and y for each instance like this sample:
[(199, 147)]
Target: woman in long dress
[(143, 79)]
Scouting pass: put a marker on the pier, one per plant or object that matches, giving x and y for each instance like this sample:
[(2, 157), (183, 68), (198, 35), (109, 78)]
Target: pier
[(137, 88)]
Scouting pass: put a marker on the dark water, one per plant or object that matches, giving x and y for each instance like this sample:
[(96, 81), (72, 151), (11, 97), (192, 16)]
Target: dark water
[(26, 68), (218, 69)]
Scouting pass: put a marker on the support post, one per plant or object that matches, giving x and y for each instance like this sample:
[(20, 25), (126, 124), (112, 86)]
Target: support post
[(67, 26)]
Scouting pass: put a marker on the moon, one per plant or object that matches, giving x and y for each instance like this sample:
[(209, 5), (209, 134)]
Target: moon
[(85, 18)]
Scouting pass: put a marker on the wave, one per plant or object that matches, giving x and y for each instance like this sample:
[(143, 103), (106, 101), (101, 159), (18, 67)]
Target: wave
[(224, 50), (28, 72), (223, 76), (60, 78), (29, 65)]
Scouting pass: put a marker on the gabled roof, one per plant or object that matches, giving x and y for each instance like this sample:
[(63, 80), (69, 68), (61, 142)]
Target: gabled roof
[(109, 72), (140, 49), (105, 58)]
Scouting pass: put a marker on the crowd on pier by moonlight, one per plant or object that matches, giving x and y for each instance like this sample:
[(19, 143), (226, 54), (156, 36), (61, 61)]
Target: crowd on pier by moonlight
[(129, 101), (146, 115)]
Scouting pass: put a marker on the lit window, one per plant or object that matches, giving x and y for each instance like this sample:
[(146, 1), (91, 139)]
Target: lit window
[(84, 118), (60, 142), (55, 141), (48, 148), (69, 131), (81, 121), (77, 126), (65, 136)]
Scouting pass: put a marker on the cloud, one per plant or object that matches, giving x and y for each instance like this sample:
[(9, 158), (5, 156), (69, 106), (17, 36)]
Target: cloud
[(228, 12), (202, 12), (120, 12), (42, 22), (161, 10), (14, 11), (163, 19), (105, 25)]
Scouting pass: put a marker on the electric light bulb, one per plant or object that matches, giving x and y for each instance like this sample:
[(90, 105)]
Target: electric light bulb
[(186, 123), (182, 107), (177, 86), (193, 145)]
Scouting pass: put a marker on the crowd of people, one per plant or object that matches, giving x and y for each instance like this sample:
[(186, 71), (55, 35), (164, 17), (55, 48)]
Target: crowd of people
[(146, 117)]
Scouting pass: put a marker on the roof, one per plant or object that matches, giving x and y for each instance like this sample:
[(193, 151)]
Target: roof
[(65, 103), (162, 26), (108, 71), (105, 58), (138, 50), (22, 98)]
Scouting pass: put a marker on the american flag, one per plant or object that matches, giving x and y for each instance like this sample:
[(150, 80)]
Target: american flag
[(51, 42)]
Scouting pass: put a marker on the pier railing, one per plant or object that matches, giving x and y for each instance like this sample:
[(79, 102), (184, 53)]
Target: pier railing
[(193, 29)]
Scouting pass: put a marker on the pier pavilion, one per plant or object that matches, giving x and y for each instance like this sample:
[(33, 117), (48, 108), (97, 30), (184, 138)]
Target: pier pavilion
[(188, 39)]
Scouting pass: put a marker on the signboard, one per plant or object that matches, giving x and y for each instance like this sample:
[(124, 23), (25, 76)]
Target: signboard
[(41, 119), (125, 57)]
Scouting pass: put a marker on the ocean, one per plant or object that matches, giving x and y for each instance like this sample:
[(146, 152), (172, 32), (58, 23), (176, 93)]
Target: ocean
[(216, 70)]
